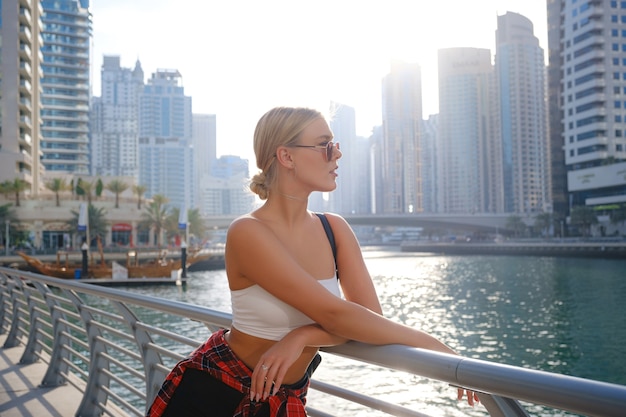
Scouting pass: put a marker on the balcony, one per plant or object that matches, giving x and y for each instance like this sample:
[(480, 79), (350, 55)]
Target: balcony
[(25, 139), (25, 87), (25, 52), (25, 16), (25, 34), (25, 70)]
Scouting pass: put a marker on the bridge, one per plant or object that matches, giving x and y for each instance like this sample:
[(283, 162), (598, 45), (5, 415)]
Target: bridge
[(106, 351), (490, 223)]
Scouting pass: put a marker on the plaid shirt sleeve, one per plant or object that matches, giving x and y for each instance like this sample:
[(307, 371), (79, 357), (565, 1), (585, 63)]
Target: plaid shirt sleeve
[(215, 357)]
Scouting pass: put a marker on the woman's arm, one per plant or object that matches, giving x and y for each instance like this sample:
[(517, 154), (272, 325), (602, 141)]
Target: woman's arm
[(274, 364), (260, 257)]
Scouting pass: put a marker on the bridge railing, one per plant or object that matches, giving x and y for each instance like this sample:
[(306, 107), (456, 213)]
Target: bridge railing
[(116, 347)]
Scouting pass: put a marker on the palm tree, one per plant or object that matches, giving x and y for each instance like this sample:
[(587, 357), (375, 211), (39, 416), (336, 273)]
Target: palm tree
[(195, 223), (117, 187), (17, 186), (98, 225), (155, 216), (139, 191), (57, 185), (84, 188)]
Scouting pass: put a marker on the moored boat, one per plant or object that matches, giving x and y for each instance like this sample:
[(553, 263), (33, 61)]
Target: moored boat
[(161, 267)]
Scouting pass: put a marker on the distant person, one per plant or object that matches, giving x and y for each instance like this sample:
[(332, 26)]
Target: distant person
[(289, 294)]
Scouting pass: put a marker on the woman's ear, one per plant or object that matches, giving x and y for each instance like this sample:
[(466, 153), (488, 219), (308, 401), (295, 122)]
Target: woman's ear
[(284, 157)]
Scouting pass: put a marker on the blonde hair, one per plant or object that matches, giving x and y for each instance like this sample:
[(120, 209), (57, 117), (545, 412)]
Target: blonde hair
[(281, 126)]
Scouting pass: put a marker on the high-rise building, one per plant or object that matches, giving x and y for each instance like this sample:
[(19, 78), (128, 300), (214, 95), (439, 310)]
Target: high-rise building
[(115, 120), (225, 191), (555, 111), (166, 155), (20, 85), (469, 154), (166, 168), (65, 114), (352, 195), (204, 142), (592, 42), (520, 70), (402, 118), (429, 164)]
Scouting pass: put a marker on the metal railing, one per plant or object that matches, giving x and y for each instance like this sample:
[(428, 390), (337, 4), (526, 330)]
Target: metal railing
[(101, 341)]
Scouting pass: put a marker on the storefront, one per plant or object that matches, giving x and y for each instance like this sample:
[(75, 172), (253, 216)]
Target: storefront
[(121, 234)]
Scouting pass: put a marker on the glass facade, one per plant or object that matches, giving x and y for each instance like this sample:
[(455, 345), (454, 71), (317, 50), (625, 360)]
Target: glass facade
[(66, 33)]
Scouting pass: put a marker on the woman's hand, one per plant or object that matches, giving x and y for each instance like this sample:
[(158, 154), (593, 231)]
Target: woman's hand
[(472, 397), (269, 372)]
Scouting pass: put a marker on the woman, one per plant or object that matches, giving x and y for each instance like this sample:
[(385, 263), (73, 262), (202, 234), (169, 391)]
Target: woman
[(284, 280)]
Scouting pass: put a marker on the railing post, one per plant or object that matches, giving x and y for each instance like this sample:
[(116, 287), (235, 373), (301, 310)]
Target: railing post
[(60, 355), (32, 347), (94, 394), (12, 340), (149, 357), (3, 295)]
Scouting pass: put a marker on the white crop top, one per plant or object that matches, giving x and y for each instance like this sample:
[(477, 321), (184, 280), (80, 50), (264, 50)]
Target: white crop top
[(258, 313)]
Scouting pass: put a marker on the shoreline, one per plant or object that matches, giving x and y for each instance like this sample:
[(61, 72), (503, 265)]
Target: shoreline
[(604, 250)]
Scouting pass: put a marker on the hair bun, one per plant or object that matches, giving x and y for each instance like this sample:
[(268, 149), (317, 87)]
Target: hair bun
[(258, 186)]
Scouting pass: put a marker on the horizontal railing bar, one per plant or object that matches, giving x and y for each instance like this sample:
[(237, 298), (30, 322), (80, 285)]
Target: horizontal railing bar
[(103, 313), (122, 365), (112, 330), (539, 387), (168, 334), (120, 401), (125, 384), (365, 400), (76, 340), (160, 349)]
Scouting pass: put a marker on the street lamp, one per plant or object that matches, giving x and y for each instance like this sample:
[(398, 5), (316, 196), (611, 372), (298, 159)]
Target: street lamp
[(6, 237)]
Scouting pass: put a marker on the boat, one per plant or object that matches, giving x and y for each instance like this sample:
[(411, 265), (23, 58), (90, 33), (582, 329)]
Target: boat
[(161, 267)]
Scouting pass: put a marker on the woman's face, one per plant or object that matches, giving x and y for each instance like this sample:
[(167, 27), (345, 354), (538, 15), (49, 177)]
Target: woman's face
[(311, 156)]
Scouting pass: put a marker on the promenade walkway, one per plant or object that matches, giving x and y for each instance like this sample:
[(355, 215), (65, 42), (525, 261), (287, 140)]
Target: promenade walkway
[(20, 393)]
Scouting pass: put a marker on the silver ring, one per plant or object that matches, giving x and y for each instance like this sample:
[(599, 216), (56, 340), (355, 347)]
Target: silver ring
[(265, 367)]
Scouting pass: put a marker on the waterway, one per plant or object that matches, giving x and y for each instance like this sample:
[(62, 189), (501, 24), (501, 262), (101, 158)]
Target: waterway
[(561, 315)]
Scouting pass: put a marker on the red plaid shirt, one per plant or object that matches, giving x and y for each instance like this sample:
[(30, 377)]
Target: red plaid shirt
[(215, 357)]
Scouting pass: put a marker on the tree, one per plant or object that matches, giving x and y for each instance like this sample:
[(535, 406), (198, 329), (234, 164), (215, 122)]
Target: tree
[(584, 217), (195, 224), (98, 225), (139, 191), (17, 186), (84, 188), (155, 217), (99, 187), (5, 188), (57, 185), (117, 187), (543, 221), (618, 216), (516, 224)]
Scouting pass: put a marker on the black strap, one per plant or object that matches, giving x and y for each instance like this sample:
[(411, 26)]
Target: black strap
[(331, 237)]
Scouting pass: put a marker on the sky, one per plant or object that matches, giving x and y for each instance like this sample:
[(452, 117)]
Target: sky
[(239, 59)]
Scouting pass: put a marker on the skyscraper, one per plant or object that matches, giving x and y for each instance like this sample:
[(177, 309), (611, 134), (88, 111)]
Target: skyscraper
[(353, 190), (555, 112), (592, 41), (402, 118), (20, 83), (204, 142), (520, 72), (115, 120), (166, 160), (65, 114), (469, 154)]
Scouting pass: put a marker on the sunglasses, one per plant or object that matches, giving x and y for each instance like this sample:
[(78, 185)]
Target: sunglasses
[(329, 147)]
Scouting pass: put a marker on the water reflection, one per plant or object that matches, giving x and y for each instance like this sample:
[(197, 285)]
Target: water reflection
[(559, 315)]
